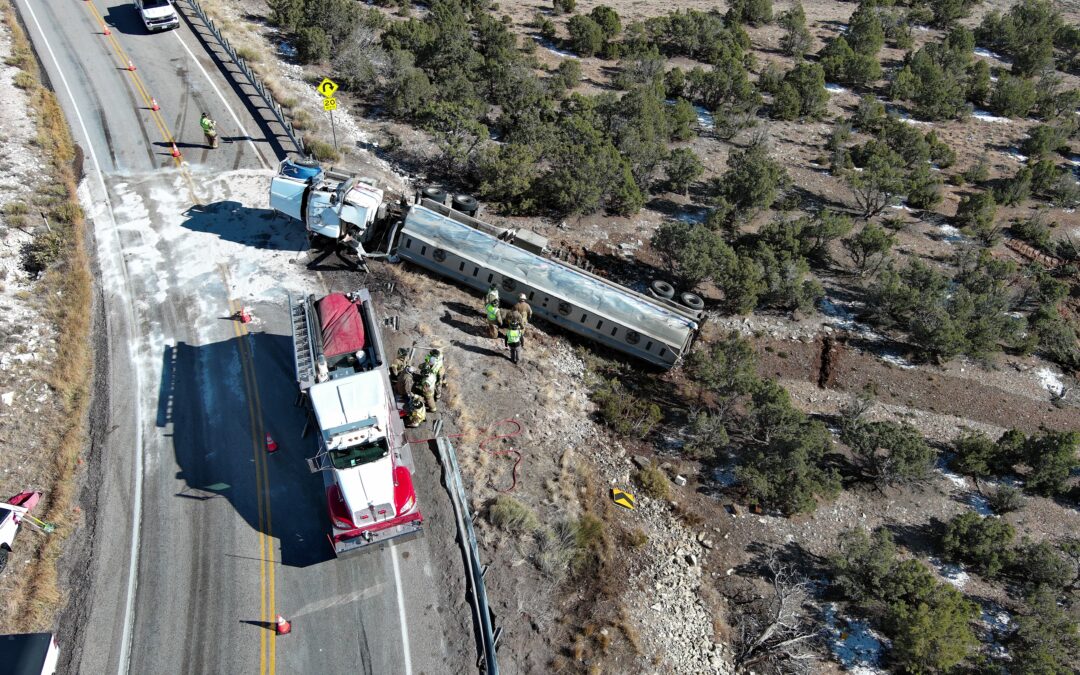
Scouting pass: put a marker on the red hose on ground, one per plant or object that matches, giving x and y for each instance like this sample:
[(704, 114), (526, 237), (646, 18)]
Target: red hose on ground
[(490, 438)]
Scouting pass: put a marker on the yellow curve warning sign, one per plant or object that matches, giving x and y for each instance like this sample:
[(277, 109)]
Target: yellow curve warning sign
[(327, 87), (622, 498)]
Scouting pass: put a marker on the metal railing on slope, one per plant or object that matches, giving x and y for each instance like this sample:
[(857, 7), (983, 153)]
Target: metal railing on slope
[(252, 78), (489, 635)]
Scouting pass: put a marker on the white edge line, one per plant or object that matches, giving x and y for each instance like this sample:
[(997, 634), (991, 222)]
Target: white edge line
[(217, 91), (401, 610), (136, 516)]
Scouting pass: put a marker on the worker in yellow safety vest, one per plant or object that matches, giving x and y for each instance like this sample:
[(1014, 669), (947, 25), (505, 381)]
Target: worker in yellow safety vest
[(515, 340), (494, 318), (433, 362), (209, 129)]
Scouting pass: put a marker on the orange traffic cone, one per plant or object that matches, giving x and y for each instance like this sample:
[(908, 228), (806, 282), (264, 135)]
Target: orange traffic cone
[(153, 105), (245, 315), (107, 31), (131, 65), (175, 151), (271, 444), (282, 627)]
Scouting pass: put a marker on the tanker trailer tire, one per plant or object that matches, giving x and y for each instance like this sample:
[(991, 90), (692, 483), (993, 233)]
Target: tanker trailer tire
[(662, 289)]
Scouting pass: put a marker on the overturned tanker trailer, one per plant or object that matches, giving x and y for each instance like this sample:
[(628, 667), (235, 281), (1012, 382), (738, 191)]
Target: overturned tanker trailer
[(477, 254)]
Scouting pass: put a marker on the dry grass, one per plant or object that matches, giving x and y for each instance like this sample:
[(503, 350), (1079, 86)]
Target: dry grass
[(512, 516), (653, 482), (68, 287), (555, 549), (321, 150), (626, 625)]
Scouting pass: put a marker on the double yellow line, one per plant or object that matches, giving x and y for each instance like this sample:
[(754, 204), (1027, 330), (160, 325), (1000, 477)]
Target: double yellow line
[(125, 62), (267, 638)]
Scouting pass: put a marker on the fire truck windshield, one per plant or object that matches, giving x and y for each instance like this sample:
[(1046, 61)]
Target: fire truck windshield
[(347, 458)]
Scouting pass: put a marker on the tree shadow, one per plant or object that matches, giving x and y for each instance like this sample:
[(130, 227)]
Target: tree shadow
[(258, 228), (400, 157), (813, 201), (202, 398), (922, 540), (629, 272), (794, 554)]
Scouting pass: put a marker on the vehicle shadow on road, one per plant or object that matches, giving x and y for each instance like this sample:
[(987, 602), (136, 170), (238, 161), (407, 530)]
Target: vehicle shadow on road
[(258, 228), (206, 396), (125, 18)]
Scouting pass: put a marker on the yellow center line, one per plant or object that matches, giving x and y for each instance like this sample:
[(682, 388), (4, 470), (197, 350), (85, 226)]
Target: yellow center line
[(125, 60), (267, 640)]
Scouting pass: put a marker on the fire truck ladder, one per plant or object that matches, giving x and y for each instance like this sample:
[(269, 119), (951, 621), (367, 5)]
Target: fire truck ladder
[(306, 340)]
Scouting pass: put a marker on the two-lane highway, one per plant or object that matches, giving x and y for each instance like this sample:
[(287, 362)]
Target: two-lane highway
[(199, 537)]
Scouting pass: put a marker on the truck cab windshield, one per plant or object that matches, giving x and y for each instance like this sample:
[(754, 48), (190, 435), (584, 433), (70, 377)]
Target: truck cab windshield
[(154, 4), (347, 458)]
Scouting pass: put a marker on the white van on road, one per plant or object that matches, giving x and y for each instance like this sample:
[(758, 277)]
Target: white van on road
[(157, 14)]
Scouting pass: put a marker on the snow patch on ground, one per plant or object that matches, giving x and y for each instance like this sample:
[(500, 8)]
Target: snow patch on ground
[(1050, 380), (1015, 153), (853, 643), (842, 315), (953, 477), (704, 117), (980, 504), (286, 49), (998, 623), (952, 573), (950, 234), (692, 215), (902, 115), (986, 116), (553, 49), (835, 88), (980, 51)]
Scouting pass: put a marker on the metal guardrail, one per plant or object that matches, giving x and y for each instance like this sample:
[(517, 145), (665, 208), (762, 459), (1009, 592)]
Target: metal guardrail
[(241, 63), (489, 635)]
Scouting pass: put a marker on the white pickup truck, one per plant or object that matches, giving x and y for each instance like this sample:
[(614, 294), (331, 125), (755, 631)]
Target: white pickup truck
[(157, 14)]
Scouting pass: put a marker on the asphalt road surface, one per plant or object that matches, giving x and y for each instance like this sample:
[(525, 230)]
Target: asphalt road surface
[(195, 537)]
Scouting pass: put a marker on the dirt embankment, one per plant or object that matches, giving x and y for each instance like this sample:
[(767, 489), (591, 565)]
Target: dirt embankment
[(45, 358), (1002, 393)]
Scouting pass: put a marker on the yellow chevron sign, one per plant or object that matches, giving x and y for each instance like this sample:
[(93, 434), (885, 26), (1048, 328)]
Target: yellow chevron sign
[(622, 498)]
